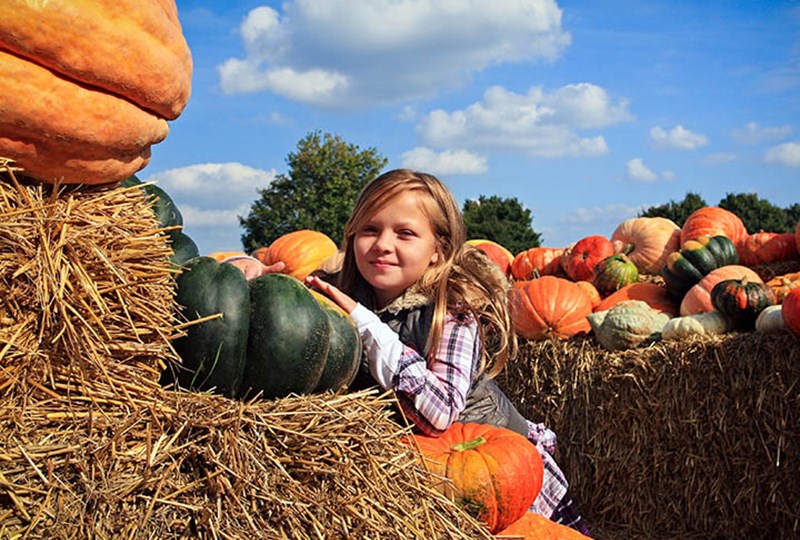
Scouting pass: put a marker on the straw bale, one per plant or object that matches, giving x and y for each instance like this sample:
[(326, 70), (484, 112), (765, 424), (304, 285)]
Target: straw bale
[(184, 465), (692, 439), (87, 288)]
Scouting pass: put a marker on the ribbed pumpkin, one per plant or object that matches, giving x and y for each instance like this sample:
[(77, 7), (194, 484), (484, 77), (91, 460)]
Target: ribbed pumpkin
[(495, 473), (537, 261), (782, 285), (497, 253), (532, 526), (790, 310), (653, 294), (591, 290), (647, 241), (741, 299), (766, 248), (698, 299), (613, 273), (713, 221), (580, 259), (696, 259), (302, 251), (548, 307), (88, 86)]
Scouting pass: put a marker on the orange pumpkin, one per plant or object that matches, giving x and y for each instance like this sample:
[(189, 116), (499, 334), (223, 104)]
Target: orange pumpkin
[(549, 306), (698, 299), (88, 88), (783, 285), (766, 247), (790, 311), (591, 290), (302, 251), (497, 253), (713, 221), (537, 261), (647, 241), (653, 294), (580, 259), (536, 527), (495, 473)]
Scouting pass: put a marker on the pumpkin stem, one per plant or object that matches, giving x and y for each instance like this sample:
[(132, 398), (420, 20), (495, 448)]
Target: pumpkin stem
[(468, 445)]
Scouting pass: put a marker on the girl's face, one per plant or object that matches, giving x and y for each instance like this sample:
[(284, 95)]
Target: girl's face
[(395, 247)]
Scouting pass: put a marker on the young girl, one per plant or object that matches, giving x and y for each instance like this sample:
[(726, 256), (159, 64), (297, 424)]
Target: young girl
[(429, 308)]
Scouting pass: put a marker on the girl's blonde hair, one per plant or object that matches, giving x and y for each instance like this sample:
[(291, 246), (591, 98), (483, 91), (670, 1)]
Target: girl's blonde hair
[(458, 281)]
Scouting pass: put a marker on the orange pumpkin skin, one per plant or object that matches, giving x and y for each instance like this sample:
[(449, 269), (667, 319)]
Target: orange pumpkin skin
[(580, 260), (87, 89), (653, 294), (497, 253), (546, 261), (589, 288), (698, 299), (766, 247), (548, 307), (790, 311), (783, 285), (713, 221), (537, 527), (496, 473), (302, 251), (647, 241)]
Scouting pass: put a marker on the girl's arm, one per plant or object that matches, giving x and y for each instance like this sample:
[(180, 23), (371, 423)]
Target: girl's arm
[(431, 396)]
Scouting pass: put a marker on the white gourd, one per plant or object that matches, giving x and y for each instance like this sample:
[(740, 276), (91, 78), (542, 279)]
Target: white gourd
[(771, 320), (699, 324)]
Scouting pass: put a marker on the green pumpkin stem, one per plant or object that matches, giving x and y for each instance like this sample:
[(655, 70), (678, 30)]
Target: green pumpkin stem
[(468, 445)]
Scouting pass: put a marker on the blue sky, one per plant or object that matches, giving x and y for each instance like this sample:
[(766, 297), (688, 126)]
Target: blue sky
[(586, 111)]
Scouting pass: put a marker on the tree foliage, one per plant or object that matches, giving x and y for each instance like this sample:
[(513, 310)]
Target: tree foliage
[(757, 214), (676, 211), (500, 220), (325, 176)]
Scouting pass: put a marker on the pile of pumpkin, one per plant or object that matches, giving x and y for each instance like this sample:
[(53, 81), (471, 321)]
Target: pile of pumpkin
[(654, 280)]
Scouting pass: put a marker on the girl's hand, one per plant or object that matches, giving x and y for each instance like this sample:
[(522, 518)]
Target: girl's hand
[(252, 267), (344, 301)]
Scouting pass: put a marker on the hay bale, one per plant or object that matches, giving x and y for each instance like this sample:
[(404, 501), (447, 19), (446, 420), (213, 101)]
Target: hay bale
[(699, 438), (87, 288)]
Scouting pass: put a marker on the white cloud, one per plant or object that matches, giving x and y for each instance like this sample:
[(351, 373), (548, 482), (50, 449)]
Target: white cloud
[(445, 163), (535, 123), (211, 194), (752, 133), (787, 154), (343, 53), (678, 138), (638, 171)]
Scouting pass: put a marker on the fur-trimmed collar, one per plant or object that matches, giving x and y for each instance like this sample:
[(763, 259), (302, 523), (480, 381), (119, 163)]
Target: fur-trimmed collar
[(412, 298)]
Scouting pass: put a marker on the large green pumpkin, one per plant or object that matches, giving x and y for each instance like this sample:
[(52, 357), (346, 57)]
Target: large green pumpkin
[(696, 258), (288, 342)]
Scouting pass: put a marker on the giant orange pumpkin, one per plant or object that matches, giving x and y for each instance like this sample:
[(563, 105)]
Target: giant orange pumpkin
[(535, 527), (549, 306), (495, 474), (302, 251), (713, 221), (647, 241), (88, 86), (766, 248)]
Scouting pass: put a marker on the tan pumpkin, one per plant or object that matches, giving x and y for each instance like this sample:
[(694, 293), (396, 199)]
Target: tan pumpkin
[(713, 221), (88, 86), (783, 285), (766, 248), (698, 299), (647, 241), (302, 251)]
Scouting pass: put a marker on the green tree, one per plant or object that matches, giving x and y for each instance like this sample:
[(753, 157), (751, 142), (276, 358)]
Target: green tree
[(756, 214), (319, 191), (676, 211), (792, 217), (500, 220)]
